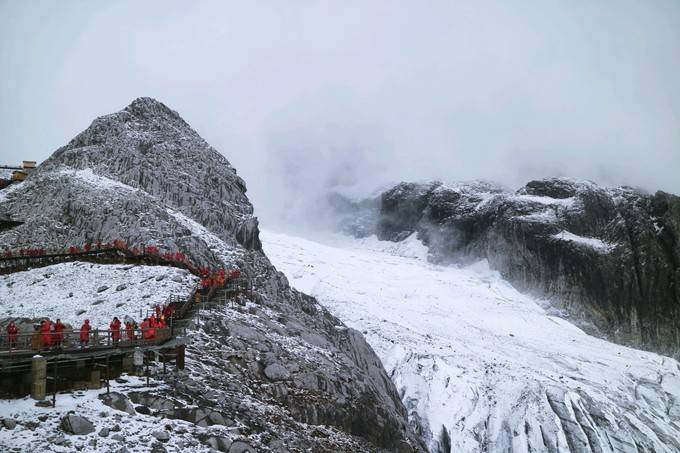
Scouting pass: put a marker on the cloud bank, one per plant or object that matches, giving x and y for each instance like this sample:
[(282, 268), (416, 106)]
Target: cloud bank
[(304, 97)]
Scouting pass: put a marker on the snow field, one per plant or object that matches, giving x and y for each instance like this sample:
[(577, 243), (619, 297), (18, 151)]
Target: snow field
[(75, 291), (470, 353)]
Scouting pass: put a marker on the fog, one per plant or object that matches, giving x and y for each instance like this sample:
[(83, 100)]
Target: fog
[(309, 96)]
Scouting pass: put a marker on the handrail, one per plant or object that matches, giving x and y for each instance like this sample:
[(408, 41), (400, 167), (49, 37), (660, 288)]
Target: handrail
[(69, 340), (8, 263)]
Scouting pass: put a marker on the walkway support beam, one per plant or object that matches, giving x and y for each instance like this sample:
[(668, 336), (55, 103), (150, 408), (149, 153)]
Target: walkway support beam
[(38, 377)]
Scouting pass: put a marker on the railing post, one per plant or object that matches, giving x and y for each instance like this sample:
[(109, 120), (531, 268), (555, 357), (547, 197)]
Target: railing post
[(39, 377), (107, 373), (54, 387)]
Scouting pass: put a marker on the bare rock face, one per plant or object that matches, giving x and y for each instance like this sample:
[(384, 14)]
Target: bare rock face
[(149, 147), (144, 176), (611, 257)]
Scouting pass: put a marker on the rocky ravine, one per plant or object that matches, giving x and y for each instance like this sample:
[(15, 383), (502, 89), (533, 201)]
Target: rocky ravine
[(283, 372), (610, 257)]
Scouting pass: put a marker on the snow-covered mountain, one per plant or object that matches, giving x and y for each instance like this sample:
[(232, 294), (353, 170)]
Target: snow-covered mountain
[(480, 366), (284, 372), (609, 257)]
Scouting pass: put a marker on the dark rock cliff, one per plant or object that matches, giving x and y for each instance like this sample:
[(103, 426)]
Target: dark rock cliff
[(609, 257), (289, 375)]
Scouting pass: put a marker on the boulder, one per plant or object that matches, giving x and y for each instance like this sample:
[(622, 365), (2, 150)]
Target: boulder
[(163, 436), (76, 424), (143, 410), (118, 401), (9, 423), (276, 372), (241, 447), (218, 443)]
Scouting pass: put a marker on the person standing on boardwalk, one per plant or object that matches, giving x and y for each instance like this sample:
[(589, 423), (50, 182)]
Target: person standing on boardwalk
[(85, 333), (115, 330), (58, 333), (130, 331), (148, 331), (45, 333), (12, 333)]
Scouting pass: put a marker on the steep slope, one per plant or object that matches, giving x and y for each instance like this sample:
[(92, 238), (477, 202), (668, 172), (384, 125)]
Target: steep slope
[(150, 147), (144, 176), (486, 365), (610, 257)]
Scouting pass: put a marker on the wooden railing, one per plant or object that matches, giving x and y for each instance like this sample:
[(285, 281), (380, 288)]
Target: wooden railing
[(69, 341), (10, 264)]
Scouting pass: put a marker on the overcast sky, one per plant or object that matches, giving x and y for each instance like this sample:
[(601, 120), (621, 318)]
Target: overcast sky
[(305, 95)]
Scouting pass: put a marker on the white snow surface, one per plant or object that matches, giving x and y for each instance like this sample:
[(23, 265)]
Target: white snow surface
[(597, 244), (101, 182), (226, 253), (136, 430), (46, 291), (469, 352), (564, 202)]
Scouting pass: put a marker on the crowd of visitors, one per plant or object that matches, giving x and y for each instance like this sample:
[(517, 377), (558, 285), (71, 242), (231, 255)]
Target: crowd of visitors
[(49, 334)]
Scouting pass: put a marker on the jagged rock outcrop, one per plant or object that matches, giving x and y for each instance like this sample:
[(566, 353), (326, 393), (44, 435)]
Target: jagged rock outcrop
[(611, 257), (150, 147), (144, 176)]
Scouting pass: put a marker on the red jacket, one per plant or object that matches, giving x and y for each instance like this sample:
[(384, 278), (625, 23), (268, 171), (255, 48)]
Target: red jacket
[(115, 329), (58, 329), (45, 332), (148, 332), (130, 331), (12, 331), (85, 331)]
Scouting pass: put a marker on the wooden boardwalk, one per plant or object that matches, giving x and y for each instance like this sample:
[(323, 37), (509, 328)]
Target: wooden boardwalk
[(111, 255), (101, 342)]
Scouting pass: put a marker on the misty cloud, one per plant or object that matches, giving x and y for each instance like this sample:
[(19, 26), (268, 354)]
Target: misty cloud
[(304, 97)]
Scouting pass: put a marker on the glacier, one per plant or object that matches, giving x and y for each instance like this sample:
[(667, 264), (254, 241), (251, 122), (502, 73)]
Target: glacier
[(476, 358)]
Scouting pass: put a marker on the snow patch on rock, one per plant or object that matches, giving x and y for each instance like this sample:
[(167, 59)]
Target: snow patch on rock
[(563, 202), (593, 243)]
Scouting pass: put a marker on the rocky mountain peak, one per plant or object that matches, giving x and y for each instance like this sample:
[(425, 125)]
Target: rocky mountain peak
[(147, 106), (282, 366), (149, 147)]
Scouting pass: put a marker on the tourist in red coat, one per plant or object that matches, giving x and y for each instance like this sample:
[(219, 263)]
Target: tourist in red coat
[(85, 333), (46, 333), (115, 330), (12, 333), (130, 331), (148, 331), (59, 332)]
